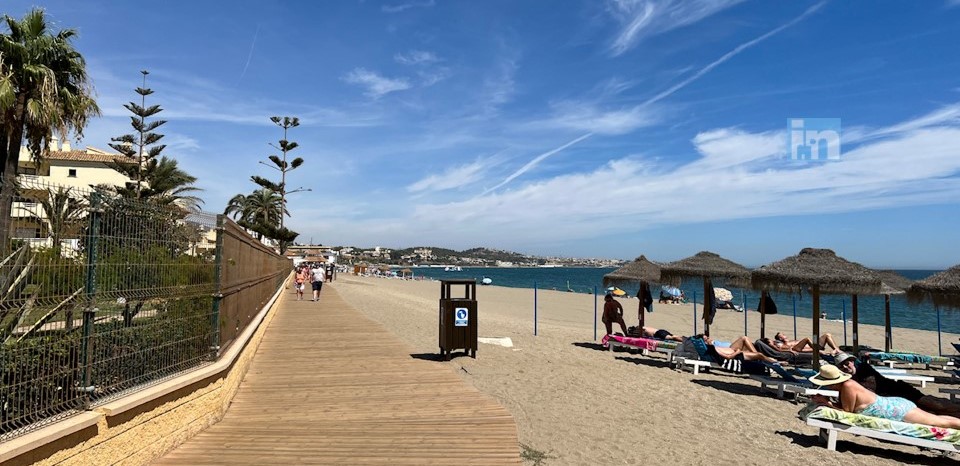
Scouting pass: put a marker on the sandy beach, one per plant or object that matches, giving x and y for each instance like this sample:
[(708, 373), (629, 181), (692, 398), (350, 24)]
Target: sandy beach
[(581, 404)]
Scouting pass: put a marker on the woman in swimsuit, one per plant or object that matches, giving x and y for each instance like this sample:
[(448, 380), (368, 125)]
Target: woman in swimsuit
[(855, 398)]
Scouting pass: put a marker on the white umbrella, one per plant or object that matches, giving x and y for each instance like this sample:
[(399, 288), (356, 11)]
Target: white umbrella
[(723, 294)]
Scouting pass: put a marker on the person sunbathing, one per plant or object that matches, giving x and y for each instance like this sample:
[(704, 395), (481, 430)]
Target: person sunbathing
[(805, 345), (855, 398), (864, 374), (733, 353), (658, 333)]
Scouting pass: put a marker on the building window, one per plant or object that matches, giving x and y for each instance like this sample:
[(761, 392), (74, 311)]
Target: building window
[(72, 173)]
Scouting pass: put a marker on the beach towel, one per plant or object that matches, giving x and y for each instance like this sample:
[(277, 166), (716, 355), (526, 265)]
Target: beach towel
[(641, 343), (880, 424)]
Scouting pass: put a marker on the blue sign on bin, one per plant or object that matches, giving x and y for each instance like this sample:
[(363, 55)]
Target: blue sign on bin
[(462, 317)]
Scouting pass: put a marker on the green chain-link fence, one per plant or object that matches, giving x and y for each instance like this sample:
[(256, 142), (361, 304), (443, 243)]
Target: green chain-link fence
[(102, 295)]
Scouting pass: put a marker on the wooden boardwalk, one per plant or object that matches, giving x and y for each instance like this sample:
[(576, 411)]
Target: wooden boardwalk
[(330, 386)]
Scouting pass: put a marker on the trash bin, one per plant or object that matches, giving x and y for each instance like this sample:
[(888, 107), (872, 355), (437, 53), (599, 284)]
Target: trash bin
[(458, 318)]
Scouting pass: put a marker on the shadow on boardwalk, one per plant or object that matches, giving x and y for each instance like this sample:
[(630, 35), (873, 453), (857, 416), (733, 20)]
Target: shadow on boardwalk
[(330, 386)]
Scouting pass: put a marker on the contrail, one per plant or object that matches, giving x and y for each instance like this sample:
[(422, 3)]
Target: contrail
[(535, 161), (249, 55), (732, 53)]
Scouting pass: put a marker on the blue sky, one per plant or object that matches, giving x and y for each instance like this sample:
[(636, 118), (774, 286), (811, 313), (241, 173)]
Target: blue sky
[(574, 128)]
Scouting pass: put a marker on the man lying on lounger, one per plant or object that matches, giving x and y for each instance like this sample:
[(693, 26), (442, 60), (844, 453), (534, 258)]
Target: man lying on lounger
[(866, 375), (658, 333), (855, 398), (804, 345)]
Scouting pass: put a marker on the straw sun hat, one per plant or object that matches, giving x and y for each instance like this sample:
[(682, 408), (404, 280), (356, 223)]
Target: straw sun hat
[(829, 375)]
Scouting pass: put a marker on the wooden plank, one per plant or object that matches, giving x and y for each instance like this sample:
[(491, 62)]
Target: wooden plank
[(329, 386)]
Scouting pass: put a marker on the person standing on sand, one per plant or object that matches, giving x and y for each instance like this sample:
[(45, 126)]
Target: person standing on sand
[(318, 274), (613, 312)]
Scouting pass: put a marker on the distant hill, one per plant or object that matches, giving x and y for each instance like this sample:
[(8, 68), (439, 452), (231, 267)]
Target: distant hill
[(443, 255)]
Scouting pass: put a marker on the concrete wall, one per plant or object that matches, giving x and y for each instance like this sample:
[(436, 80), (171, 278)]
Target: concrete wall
[(144, 426)]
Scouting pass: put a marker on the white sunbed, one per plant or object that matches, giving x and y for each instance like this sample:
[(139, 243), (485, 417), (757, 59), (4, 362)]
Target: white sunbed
[(829, 430), (611, 343), (695, 364), (940, 365), (900, 374), (781, 386)]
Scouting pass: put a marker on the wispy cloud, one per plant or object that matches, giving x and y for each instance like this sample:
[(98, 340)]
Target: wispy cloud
[(377, 86), (398, 8), (737, 175), (249, 54), (740, 48), (416, 57), (589, 116), (533, 163), (644, 18), (452, 178)]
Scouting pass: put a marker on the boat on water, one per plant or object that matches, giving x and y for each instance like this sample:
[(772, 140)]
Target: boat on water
[(452, 268), (486, 281)]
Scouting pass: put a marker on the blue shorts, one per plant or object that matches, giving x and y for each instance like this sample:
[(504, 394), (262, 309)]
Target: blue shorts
[(317, 286)]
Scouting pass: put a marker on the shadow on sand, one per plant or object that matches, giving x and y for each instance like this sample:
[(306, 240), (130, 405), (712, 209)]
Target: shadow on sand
[(590, 345), (847, 443), (435, 357), (735, 388)]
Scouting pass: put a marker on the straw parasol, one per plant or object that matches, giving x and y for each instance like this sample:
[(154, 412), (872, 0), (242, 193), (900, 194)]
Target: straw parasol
[(641, 270), (823, 271), (942, 288), (708, 266)]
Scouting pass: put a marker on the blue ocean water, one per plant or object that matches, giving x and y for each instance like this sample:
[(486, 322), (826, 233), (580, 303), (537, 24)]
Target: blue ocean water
[(584, 280)]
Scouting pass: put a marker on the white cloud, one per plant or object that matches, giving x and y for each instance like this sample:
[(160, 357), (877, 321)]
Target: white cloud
[(452, 178), (377, 86), (737, 175), (587, 116), (731, 54), (406, 6), (416, 57), (533, 163), (643, 18)]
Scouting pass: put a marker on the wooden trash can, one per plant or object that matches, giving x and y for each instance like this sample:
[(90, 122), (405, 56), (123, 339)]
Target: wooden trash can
[(458, 318)]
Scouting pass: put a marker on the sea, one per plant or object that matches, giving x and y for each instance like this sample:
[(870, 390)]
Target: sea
[(836, 307)]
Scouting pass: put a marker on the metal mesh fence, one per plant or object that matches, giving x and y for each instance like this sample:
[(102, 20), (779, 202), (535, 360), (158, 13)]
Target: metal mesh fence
[(101, 295)]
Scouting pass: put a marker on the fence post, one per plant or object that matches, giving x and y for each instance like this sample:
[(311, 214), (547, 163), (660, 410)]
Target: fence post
[(594, 312), (218, 294), (90, 295), (534, 308)]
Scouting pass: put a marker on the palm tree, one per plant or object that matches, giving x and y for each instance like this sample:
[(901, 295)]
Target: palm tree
[(169, 184), (44, 89), (259, 211), (61, 214)]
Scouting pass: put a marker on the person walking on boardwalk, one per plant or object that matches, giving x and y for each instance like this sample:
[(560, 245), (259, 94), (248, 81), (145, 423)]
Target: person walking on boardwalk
[(300, 281), (613, 312), (318, 274)]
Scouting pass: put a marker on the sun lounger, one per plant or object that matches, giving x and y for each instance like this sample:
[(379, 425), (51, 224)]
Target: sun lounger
[(780, 386), (645, 345), (901, 374), (893, 358), (786, 356), (831, 421)]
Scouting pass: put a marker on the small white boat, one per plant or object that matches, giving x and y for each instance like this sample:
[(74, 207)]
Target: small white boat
[(486, 281), (454, 268)]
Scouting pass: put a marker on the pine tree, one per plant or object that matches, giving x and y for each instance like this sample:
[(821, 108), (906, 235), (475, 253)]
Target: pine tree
[(278, 232), (140, 147)]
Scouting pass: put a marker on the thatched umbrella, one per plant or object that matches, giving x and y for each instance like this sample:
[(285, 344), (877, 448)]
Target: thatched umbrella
[(641, 270), (942, 288), (707, 266), (823, 271), (406, 272)]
